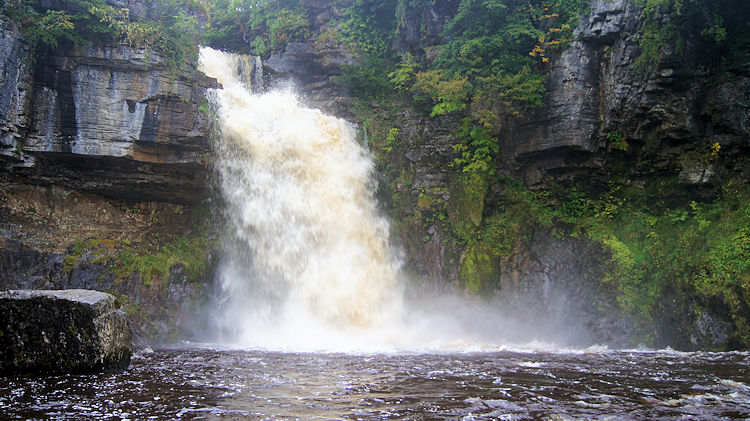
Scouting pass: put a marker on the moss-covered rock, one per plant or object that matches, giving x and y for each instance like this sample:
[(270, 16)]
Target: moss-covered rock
[(62, 331)]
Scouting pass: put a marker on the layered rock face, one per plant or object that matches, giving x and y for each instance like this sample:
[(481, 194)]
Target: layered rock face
[(62, 331), (58, 238), (104, 156), (115, 121), (603, 118), (108, 119), (599, 100)]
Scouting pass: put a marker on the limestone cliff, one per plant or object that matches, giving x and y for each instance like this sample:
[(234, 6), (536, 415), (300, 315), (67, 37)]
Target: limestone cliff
[(603, 119), (660, 114), (109, 119), (115, 121), (104, 164)]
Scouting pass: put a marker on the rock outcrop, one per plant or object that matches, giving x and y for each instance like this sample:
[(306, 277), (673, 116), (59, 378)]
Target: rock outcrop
[(103, 144), (109, 119), (599, 100), (62, 331), (58, 238)]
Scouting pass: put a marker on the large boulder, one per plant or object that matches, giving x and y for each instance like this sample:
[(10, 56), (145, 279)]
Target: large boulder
[(60, 331)]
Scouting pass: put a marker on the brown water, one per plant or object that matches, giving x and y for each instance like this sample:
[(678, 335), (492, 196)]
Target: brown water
[(204, 383)]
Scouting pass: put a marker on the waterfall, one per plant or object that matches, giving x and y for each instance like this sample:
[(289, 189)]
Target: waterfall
[(308, 252), (306, 263)]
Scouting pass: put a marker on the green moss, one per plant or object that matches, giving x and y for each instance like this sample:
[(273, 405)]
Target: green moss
[(133, 309), (466, 216), (203, 108), (69, 263), (717, 24), (479, 269), (171, 29), (191, 252), (617, 141), (425, 201)]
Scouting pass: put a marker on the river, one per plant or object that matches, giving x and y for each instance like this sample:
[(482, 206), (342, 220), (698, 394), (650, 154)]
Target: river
[(202, 382)]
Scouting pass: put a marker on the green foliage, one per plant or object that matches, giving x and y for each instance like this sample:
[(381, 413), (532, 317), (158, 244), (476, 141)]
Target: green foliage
[(617, 141), (367, 81), (692, 251), (391, 139), (699, 251), (511, 94), (369, 27), (191, 252), (276, 23), (172, 30), (261, 27), (477, 147), (722, 24), (367, 30), (448, 92), (492, 66), (47, 28), (403, 77), (496, 44)]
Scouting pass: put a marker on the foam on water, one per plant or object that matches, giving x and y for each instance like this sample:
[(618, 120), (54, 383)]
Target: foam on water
[(308, 264)]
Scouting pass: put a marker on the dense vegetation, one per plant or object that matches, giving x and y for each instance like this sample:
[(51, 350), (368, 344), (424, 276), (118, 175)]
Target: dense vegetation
[(696, 252), (172, 28), (258, 27), (721, 24), (684, 248), (490, 68)]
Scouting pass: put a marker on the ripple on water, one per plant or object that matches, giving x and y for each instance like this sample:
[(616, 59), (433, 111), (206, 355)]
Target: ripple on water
[(205, 383)]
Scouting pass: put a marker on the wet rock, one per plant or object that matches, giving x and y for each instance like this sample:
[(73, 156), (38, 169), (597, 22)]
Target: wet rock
[(597, 92), (695, 173), (62, 331), (297, 62), (14, 87), (23, 267), (708, 331), (570, 117), (109, 119), (605, 21), (548, 284)]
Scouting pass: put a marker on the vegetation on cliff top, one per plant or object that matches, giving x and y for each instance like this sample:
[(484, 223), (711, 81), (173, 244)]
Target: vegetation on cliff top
[(491, 68), (171, 29), (258, 27), (689, 250), (722, 24)]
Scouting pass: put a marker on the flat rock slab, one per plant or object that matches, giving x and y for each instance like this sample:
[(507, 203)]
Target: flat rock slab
[(62, 331)]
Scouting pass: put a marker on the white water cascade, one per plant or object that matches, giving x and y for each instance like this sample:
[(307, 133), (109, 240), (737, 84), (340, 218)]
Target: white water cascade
[(307, 264), (310, 253)]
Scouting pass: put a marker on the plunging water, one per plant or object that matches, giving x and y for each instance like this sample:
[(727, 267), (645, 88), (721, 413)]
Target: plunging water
[(307, 266), (309, 259)]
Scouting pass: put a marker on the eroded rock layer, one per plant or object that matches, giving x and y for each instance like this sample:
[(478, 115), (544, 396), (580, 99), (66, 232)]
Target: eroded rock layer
[(109, 119)]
